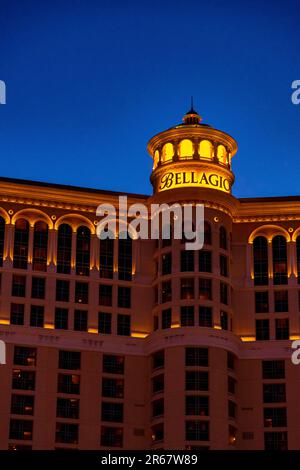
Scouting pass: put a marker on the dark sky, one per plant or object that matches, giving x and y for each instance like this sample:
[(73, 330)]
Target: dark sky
[(90, 81)]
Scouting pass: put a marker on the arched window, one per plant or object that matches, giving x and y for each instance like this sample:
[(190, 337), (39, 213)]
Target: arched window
[(2, 234), (64, 249), (83, 243), (107, 257), (279, 251), (21, 244), (40, 244), (260, 261), (167, 152), (222, 154), (186, 149), (207, 233), (156, 159), (223, 238), (298, 257), (125, 257), (205, 149)]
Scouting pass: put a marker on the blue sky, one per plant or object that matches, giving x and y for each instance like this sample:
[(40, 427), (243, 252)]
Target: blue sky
[(89, 82)]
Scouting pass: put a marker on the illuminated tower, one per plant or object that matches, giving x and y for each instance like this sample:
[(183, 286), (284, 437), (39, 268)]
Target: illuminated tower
[(192, 164)]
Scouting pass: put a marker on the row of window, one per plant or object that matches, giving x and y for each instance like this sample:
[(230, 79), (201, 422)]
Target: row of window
[(81, 291), (187, 262), (282, 329), (64, 250), (281, 301), (168, 237), (279, 260), (187, 318), (187, 290)]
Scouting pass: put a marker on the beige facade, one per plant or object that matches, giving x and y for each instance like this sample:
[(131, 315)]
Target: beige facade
[(143, 345)]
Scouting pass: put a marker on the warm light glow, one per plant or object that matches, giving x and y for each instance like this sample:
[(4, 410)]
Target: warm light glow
[(93, 330), (175, 325), (186, 149), (138, 334), (205, 149), (49, 326), (222, 154), (294, 337), (167, 153), (4, 321), (247, 339), (156, 159), (217, 327)]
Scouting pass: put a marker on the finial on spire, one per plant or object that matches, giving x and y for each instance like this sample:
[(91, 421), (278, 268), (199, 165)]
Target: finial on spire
[(192, 117)]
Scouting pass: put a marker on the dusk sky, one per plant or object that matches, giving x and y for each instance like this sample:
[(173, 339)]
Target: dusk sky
[(90, 82)]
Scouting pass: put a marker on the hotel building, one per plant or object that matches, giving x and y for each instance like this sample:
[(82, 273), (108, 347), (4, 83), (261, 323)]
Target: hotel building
[(142, 344)]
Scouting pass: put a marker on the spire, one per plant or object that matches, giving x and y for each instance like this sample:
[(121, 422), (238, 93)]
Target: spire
[(192, 117)]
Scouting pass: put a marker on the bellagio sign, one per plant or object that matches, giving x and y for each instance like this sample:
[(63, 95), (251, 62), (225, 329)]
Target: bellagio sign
[(193, 178)]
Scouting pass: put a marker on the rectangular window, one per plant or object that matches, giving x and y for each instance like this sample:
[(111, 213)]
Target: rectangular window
[(25, 356), (223, 265), (197, 357), (81, 293), (105, 294), (23, 379), (104, 323), (37, 316), (231, 360), (275, 418), (18, 288), (158, 383), (205, 289), (224, 320), (22, 404), (158, 360), (281, 301), (124, 297), (166, 264), (223, 293), (68, 383), (231, 385), (38, 288), (21, 429), (166, 291), (261, 302), (113, 364), (157, 432), (205, 261), (196, 405), (80, 320), (166, 318), (187, 261), (187, 316), (262, 330), (112, 388), (17, 314), (158, 408), (125, 259), (69, 360), (197, 431), (196, 380), (112, 412), (205, 316), (276, 441), (67, 408), (231, 409), (106, 258), (111, 436), (66, 433), (282, 330), (273, 369), (187, 288), (61, 318), (123, 325), (62, 290), (274, 393)]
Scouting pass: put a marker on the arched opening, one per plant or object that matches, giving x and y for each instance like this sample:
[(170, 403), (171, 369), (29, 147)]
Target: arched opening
[(64, 249), (40, 245), (205, 149), (260, 261), (107, 256), (2, 235), (21, 244), (222, 154), (279, 252), (83, 242), (186, 149), (167, 153)]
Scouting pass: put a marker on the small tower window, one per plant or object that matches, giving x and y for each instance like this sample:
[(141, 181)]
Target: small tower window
[(222, 154), (167, 152), (205, 149), (186, 149), (156, 159)]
